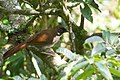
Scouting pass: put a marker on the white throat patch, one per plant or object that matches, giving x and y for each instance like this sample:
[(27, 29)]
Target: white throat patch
[(56, 39), (58, 34)]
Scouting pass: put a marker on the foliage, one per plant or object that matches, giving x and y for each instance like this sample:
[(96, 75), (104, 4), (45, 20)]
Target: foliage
[(96, 65), (22, 18)]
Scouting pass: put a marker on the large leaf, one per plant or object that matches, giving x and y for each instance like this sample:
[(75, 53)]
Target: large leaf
[(16, 56), (68, 53), (86, 12), (106, 36), (114, 39), (113, 61), (78, 66), (103, 70), (17, 78), (66, 71), (35, 64), (94, 39), (86, 73), (115, 72), (15, 66), (110, 38), (98, 49), (110, 52), (33, 3), (93, 4)]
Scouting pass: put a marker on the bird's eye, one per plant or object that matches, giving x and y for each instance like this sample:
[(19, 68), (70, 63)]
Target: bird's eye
[(59, 32)]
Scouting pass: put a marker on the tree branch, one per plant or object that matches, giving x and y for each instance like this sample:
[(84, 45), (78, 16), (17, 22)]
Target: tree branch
[(52, 11)]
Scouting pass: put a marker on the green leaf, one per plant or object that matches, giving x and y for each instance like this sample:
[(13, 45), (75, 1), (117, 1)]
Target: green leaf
[(86, 12), (114, 39), (103, 70), (110, 38), (78, 0), (115, 72), (86, 73), (3, 39), (94, 39), (35, 3), (114, 62), (5, 22), (93, 4), (17, 78), (110, 52), (42, 77), (15, 57), (35, 64), (67, 70), (78, 66), (106, 36), (98, 49), (32, 78), (15, 66), (68, 53)]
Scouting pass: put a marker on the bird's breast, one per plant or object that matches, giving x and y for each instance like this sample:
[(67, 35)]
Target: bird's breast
[(56, 39)]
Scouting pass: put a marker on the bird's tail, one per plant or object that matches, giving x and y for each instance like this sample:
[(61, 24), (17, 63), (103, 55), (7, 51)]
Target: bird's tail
[(14, 50)]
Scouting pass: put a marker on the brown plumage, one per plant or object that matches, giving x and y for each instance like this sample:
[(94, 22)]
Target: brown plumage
[(44, 39)]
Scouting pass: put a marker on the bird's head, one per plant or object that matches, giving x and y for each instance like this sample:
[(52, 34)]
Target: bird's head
[(60, 30)]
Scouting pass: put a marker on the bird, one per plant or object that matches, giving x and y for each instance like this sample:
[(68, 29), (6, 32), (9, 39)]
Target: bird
[(44, 39)]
